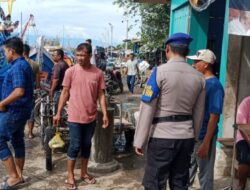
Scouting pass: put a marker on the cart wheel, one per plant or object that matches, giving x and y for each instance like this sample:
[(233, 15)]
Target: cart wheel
[(49, 133)]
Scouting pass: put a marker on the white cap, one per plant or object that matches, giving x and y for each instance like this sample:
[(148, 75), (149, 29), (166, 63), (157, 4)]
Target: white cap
[(204, 55)]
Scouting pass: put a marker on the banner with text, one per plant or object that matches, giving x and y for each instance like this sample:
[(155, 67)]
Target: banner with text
[(239, 17)]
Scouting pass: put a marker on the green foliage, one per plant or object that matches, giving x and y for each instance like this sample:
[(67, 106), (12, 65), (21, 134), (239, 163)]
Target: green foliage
[(154, 21), (122, 46)]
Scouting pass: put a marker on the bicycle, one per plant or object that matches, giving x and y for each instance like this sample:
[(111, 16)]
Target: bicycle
[(44, 112)]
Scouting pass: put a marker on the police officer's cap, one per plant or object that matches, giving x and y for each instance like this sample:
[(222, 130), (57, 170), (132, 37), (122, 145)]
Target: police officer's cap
[(179, 39)]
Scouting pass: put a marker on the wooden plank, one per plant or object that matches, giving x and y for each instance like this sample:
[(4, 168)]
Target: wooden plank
[(227, 142)]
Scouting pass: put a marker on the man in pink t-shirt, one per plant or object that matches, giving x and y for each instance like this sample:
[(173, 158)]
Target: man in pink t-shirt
[(242, 145), (83, 85)]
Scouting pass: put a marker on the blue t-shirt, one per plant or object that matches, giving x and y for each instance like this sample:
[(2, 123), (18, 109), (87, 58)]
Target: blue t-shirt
[(213, 103)]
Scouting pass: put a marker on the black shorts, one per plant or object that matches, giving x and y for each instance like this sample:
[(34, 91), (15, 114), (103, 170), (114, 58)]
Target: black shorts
[(243, 152)]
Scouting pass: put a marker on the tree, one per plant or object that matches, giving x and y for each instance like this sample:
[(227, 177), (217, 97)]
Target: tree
[(122, 46), (154, 21)]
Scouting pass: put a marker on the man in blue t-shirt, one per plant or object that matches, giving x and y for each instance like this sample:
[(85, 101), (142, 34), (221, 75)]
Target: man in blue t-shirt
[(205, 147)]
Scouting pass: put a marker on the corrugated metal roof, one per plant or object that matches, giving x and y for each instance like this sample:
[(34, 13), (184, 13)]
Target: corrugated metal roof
[(153, 1)]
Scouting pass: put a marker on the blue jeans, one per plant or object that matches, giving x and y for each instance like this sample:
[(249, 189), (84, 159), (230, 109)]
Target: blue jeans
[(56, 99), (32, 114), (206, 166), (193, 165), (11, 129), (80, 139), (131, 83)]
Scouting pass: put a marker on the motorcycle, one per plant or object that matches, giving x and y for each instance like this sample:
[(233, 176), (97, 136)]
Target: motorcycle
[(113, 81)]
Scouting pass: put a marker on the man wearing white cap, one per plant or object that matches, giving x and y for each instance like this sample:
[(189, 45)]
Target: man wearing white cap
[(205, 148)]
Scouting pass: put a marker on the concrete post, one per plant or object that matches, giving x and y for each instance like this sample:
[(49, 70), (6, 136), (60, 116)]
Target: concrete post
[(102, 160)]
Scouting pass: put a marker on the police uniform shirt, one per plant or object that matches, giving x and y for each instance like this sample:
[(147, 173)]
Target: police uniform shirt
[(181, 92)]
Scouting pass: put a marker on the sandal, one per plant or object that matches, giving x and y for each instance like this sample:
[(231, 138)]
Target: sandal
[(31, 136), (70, 186), (6, 186), (5, 179), (88, 179)]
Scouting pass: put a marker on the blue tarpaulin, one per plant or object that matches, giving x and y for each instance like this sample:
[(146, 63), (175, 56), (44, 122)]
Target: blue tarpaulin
[(3, 63), (243, 5)]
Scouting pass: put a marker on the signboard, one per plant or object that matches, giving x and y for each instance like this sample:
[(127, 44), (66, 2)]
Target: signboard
[(200, 5), (239, 17)]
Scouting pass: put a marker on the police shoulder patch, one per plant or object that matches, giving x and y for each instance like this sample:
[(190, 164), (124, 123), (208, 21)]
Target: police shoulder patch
[(151, 90)]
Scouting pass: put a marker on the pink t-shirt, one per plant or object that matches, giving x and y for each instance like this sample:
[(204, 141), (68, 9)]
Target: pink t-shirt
[(84, 85), (243, 116)]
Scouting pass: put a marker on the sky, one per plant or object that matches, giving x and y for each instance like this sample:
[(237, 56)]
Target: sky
[(73, 19)]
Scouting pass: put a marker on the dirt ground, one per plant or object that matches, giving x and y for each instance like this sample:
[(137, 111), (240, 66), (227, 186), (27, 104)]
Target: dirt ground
[(128, 177)]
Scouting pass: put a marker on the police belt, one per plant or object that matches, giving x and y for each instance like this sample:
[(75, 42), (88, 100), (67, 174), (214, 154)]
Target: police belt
[(172, 118)]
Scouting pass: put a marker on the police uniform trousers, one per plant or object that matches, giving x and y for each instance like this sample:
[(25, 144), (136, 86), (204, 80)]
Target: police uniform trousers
[(168, 160)]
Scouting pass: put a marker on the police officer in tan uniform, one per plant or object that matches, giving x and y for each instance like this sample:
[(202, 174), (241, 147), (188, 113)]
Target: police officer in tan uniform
[(170, 118)]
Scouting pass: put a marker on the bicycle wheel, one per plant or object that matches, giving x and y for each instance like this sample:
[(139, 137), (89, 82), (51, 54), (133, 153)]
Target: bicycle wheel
[(37, 112)]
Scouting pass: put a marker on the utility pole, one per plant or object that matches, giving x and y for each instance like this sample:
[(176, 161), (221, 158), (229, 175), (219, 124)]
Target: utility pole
[(126, 44), (111, 39), (126, 40), (107, 39), (21, 23), (63, 37)]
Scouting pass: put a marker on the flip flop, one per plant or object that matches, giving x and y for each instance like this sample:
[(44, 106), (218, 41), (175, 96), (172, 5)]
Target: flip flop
[(31, 136), (5, 178), (70, 186), (88, 179), (6, 186)]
